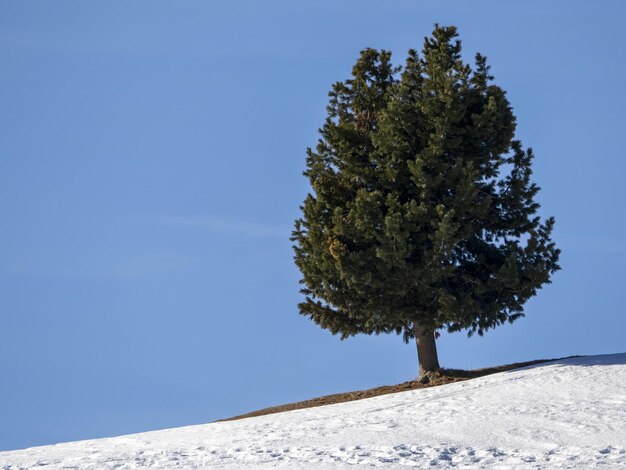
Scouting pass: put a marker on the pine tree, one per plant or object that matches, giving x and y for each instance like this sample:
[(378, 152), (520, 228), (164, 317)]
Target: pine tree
[(422, 214)]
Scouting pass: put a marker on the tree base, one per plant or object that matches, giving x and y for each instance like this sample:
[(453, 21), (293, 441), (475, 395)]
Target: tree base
[(430, 376)]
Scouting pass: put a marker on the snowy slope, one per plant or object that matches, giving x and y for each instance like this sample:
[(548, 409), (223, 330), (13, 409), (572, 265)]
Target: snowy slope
[(564, 414)]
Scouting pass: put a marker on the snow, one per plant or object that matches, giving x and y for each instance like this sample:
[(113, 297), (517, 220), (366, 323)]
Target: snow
[(569, 413)]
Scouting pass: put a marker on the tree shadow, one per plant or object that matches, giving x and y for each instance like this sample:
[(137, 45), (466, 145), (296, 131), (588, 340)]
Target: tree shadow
[(582, 361), (442, 377)]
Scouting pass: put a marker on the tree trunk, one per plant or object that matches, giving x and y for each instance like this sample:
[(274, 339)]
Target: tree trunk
[(426, 351)]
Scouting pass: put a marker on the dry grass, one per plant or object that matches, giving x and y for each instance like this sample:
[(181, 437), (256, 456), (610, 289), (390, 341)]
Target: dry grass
[(445, 377)]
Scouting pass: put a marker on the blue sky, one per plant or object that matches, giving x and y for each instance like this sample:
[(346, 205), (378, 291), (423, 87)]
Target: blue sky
[(150, 172)]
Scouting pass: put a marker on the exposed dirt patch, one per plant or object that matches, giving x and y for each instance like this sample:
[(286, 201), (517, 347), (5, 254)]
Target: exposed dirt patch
[(445, 377)]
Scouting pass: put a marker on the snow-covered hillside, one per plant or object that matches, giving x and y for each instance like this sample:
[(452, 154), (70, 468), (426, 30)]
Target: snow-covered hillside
[(564, 414)]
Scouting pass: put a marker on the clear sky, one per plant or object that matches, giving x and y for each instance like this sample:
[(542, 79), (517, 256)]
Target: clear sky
[(150, 171)]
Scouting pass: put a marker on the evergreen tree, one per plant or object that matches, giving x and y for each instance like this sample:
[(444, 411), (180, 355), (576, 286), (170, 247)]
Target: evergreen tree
[(422, 215)]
